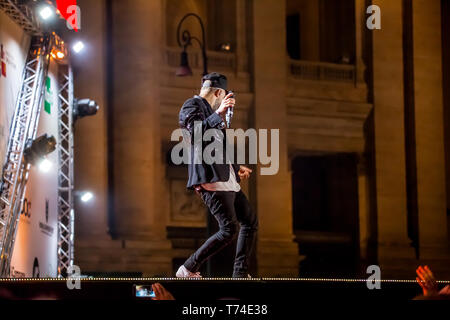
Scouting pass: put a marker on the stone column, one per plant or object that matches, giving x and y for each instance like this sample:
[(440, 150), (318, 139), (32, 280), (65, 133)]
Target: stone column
[(360, 24), (363, 203), (428, 97), (277, 254), (393, 243), (90, 148), (140, 216), (241, 38), (138, 169)]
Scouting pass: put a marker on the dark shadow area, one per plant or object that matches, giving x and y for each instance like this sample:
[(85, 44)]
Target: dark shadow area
[(325, 214)]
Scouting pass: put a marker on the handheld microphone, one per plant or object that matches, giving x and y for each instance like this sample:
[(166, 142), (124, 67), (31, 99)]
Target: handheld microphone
[(229, 114)]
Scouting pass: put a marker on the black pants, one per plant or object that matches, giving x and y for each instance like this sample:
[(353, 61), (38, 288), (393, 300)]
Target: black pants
[(229, 208)]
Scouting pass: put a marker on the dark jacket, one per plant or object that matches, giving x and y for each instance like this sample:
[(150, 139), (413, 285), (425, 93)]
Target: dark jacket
[(198, 109)]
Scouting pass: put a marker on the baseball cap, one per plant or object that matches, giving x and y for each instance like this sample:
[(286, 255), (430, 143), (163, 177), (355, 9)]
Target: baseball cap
[(215, 80)]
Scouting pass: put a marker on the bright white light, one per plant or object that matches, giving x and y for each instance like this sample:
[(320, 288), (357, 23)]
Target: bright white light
[(45, 165), (77, 47), (46, 12), (86, 196)]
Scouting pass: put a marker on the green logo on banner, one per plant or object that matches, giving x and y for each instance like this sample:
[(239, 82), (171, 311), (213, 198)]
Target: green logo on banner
[(47, 102), (47, 107)]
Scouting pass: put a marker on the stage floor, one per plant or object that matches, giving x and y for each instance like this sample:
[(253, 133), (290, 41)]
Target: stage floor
[(209, 289)]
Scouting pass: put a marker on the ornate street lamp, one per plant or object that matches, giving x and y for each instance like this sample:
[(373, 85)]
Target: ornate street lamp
[(185, 41)]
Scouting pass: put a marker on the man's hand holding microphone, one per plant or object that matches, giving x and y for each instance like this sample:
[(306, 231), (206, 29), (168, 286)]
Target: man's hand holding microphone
[(227, 102), (225, 107)]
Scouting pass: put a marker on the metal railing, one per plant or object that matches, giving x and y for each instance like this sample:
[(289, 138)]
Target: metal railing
[(321, 71)]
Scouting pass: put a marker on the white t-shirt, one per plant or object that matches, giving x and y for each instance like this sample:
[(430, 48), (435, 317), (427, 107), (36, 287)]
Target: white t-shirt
[(230, 185)]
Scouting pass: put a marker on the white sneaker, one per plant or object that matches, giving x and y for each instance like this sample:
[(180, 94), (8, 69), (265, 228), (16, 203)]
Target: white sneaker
[(185, 273)]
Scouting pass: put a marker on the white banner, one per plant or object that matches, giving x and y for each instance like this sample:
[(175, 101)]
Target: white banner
[(14, 45)]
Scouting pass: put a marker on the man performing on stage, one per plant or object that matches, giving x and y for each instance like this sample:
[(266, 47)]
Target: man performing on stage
[(218, 183)]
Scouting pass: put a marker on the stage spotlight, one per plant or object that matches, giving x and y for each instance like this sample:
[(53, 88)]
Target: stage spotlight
[(86, 196), (57, 54), (84, 107), (46, 12), (38, 148), (78, 47), (45, 165), (184, 69)]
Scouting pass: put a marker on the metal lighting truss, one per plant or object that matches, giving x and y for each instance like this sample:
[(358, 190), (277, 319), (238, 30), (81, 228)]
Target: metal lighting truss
[(22, 14), (65, 170), (23, 128)]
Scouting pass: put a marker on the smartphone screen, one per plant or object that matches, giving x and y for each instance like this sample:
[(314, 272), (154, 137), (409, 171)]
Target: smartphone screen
[(144, 291)]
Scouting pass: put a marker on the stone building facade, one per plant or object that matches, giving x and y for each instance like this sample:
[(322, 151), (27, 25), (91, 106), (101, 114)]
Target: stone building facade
[(363, 161)]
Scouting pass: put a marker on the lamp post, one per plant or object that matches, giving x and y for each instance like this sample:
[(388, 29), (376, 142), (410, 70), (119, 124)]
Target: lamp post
[(184, 41)]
